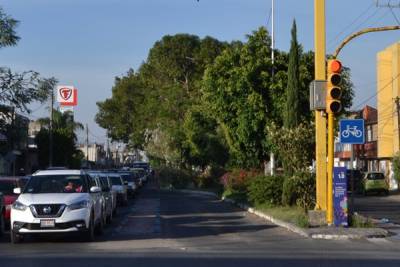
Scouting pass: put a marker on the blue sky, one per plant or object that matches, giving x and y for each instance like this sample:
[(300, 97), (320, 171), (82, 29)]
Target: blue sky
[(87, 43)]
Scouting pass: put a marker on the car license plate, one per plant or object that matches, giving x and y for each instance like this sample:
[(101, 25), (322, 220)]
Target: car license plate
[(47, 223)]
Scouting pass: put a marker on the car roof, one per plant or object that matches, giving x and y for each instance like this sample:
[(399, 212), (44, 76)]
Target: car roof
[(59, 172)]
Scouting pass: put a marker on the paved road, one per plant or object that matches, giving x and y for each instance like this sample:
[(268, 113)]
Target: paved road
[(379, 207), (161, 228)]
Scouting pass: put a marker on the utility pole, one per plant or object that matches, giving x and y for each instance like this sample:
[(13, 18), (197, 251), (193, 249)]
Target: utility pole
[(87, 145), (320, 118), (51, 129), (271, 155)]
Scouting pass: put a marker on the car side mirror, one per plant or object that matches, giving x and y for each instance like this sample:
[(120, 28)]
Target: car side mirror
[(17, 190), (125, 182), (95, 189)]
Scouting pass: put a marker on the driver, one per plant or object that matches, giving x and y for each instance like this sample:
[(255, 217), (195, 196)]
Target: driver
[(69, 187)]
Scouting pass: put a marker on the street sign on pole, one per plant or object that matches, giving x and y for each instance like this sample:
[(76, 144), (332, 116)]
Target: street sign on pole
[(352, 131)]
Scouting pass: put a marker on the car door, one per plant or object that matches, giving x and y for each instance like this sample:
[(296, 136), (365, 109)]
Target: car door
[(96, 198)]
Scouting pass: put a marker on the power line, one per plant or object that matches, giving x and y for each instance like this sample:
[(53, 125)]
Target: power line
[(375, 94), (351, 24), (334, 42), (394, 15)]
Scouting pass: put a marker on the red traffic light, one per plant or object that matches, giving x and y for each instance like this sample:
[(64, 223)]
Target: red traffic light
[(335, 66)]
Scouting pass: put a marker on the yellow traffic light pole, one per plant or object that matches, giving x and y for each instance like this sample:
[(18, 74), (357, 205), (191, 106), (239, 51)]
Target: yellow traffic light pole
[(320, 119)]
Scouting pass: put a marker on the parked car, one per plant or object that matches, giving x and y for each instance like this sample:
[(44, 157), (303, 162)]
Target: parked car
[(2, 210), (120, 187), (129, 178), (141, 173), (108, 183), (107, 197), (375, 182), (57, 201), (7, 185)]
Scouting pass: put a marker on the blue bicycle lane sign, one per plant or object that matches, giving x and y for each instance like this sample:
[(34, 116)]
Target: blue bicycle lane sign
[(352, 131)]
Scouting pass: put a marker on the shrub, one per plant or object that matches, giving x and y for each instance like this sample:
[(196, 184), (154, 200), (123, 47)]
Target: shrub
[(299, 190), (175, 178), (289, 195), (265, 190), (210, 177), (237, 179)]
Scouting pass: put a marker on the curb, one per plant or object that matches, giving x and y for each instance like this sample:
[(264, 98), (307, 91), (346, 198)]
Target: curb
[(288, 226)]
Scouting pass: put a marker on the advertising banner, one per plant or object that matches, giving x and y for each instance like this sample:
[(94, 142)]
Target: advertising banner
[(340, 203), (67, 95)]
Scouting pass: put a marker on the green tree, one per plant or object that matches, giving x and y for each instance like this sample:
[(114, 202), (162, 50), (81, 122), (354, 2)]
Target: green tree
[(65, 152), (240, 95), (148, 108), (8, 36), (292, 112), (205, 144)]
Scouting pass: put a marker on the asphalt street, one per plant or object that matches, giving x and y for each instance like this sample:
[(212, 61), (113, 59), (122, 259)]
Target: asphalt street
[(163, 228)]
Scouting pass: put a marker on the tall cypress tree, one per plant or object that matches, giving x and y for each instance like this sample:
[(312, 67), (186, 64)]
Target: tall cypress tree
[(292, 113)]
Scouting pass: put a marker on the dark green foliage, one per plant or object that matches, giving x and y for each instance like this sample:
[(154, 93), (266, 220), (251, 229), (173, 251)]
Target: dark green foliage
[(64, 141), (299, 190), (289, 195), (292, 112), (8, 36), (265, 190), (173, 178)]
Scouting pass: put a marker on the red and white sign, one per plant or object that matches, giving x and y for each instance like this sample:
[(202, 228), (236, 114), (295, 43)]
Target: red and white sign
[(67, 95)]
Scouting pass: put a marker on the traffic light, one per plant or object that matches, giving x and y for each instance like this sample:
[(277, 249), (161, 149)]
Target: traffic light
[(333, 90)]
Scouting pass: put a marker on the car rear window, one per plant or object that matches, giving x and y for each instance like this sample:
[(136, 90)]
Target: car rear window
[(127, 177), (116, 180), (376, 176)]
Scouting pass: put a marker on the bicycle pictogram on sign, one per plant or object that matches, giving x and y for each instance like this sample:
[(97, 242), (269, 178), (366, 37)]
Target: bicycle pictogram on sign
[(352, 131)]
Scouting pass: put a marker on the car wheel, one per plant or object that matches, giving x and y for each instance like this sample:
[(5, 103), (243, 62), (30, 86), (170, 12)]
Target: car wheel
[(15, 238), (89, 235)]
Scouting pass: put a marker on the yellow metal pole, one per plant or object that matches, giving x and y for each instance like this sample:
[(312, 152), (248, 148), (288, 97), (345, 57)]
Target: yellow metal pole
[(320, 119), (331, 123)]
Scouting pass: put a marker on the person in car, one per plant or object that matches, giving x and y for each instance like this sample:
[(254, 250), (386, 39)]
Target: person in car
[(70, 187)]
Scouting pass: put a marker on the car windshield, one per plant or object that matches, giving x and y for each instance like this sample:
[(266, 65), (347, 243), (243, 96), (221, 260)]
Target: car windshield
[(56, 184), (116, 180), (375, 176), (7, 187)]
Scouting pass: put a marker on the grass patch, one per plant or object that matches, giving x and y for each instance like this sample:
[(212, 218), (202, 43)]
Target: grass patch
[(291, 214), (236, 196), (358, 221)]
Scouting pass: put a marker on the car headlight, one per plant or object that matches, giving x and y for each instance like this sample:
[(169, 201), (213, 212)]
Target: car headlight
[(79, 205), (19, 206)]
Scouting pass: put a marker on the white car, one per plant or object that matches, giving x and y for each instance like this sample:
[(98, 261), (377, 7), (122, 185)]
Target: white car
[(120, 187), (57, 201)]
